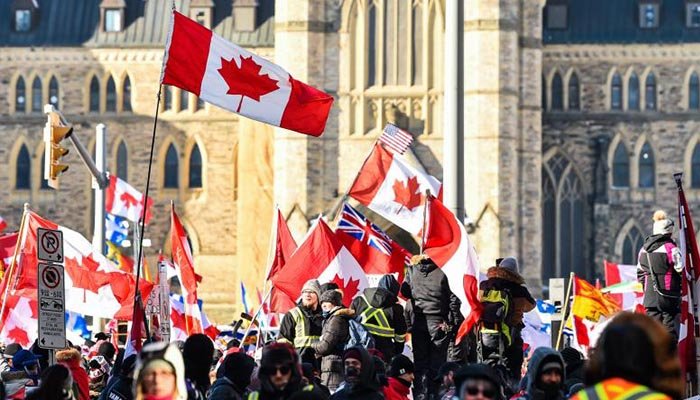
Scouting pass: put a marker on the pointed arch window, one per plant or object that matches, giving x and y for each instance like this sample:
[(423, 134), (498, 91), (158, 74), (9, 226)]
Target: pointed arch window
[(184, 100), (122, 161), (94, 95), (574, 100), (616, 92), (23, 171), (557, 92), (167, 98), (549, 227), (53, 92), (695, 167), (126, 99), (571, 225), (544, 93), (20, 96), (37, 95), (646, 167), (195, 173), (631, 244), (633, 92), (172, 166), (650, 92), (694, 92), (372, 46), (621, 167), (111, 95)]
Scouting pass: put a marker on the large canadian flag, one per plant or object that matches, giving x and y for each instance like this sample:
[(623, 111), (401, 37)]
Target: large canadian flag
[(321, 256), (125, 201), (184, 265), (394, 189), (284, 246), (448, 245), (221, 73)]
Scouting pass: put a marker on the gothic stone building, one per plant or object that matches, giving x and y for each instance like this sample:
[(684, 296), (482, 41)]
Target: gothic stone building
[(576, 115)]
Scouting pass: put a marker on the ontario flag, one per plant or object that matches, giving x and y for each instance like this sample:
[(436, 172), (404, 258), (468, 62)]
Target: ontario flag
[(394, 189), (221, 73), (373, 249), (284, 245), (124, 200), (184, 265), (321, 256), (448, 245)]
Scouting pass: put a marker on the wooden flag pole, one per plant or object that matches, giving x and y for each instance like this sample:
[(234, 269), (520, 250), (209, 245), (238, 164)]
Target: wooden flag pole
[(22, 226), (565, 309), (255, 317)]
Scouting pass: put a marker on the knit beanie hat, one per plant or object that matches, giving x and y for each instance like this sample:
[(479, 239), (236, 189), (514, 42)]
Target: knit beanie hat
[(572, 358), (509, 263), (332, 296), (277, 354), (662, 224), (312, 285), (400, 365), (352, 353)]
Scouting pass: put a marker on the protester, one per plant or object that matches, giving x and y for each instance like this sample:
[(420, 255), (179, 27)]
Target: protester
[(382, 315), (99, 374), (160, 373), (198, 354), (574, 366), (7, 354), (71, 359), (401, 376), (478, 382), (312, 376), (360, 380), (545, 376), (635, 356), (334, 334), (435, 313), (56, 384), (658, 269), (107, 350), (380, 372), (23, 374), (120, 386), (445, 378), (302, 325), (279, 374), (232, 378)]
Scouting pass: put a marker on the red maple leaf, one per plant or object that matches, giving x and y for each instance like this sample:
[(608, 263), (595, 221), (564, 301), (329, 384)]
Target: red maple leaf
[(128, 199), (407, 194), (246, 80), (85, 275), (18, 335), (350, 289)]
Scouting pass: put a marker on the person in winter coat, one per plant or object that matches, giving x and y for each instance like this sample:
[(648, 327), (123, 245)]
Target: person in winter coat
[(279, 374), (360, 380), (445, 378), (198, 354), (478, 382), (56, 384), (232, 378), (7, 354), (99, 374), (545, 376), (23, 377), (334, 335), (160, 373), (634, 357), (574, 365), (120, 385), (658, 270), (380, 312), (401, 376), (302, 325), (71, 358), (435, 312)]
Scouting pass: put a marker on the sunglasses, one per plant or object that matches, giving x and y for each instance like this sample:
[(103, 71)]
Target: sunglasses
[(486, 392), (283, 369)]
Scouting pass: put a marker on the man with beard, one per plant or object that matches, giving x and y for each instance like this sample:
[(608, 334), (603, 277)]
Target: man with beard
[(545, 376), (280, 374), (302, 325), (360, 378)]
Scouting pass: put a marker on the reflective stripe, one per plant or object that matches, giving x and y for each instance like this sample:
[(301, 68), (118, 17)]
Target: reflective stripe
[(301, 338), (382, 327), (400, 338), (254, 395)]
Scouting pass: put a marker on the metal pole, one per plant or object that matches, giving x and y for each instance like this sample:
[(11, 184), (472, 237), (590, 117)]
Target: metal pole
[(98, 235), (453, 129)]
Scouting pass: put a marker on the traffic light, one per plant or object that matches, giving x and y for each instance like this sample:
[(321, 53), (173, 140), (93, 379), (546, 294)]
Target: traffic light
[(54, 133)]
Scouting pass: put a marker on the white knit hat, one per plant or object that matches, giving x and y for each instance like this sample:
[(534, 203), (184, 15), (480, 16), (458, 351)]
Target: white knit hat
[(662, 224)]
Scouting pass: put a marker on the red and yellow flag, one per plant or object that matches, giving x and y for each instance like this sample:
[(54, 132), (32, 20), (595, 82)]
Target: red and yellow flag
[(589, 308)]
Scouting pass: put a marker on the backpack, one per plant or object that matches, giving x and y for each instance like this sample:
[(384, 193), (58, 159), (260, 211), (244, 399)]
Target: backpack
[(358, 335), (497, 305)]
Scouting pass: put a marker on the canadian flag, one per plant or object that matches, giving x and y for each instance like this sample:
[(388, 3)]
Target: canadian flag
[(321, 256), (3, 224), (616, 274), (448, 245), (182, 257), (284, 245), (178, 324), (221, 73), (392, 188), (125, 201)]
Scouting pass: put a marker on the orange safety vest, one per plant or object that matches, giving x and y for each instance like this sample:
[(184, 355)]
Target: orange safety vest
[(618, 389)]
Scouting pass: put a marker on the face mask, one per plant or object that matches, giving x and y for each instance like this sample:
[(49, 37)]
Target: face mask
[(550, 388), (325, 314), (352, 372)]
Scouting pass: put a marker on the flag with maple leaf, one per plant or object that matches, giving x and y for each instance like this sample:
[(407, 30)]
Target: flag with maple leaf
[(321, 256), (228, 76), (123, 200), (184, 265), (388, 185), (178, 321), (284, 245)]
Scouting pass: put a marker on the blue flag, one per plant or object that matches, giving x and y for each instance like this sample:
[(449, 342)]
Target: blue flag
[(116, 229)]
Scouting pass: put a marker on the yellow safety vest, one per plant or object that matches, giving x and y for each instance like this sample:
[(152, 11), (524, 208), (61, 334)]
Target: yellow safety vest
[(302, 338), (618, 389), (376, 322)]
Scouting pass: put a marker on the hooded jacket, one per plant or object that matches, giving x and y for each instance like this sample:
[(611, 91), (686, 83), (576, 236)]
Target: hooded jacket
[(396, 390), (426, 285), (233, 377), (540, 357), (504, 279), (658, 270), (366, 387), (280, 353), (72, 360), (331, 346)]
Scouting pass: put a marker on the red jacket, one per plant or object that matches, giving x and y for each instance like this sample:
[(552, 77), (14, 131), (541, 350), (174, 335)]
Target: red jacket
[(72, 360), (396, 390)]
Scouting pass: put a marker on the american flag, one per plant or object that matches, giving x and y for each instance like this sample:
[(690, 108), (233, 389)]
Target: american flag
[(395, 139), (356, 225)]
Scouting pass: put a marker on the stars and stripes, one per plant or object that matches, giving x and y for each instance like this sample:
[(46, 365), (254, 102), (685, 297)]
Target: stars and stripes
[(356, 225), (397, 140)]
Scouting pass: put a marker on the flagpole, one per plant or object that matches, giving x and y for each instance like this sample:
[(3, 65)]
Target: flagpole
[(425, 220), (339, 206), (270, 250), (7, 277), (565, 309), (255, 317)]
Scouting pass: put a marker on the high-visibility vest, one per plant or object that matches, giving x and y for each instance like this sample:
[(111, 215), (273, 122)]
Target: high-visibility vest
[(375, 320), (255, 395), (618, 389), (302, 338)]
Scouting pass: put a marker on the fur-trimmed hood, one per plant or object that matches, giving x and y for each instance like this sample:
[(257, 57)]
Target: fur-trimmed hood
[(344, 312), (68, 355), (505, 274)]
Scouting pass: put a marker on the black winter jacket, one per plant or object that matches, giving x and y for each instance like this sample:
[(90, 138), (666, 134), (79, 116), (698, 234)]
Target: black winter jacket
[(224, 389), (366, 387), (656, 267), (313, 321), (426, 285), (332, 345), (382, 298)]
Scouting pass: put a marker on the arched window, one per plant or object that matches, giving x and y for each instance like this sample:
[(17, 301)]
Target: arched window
[(126, 99), (571, 225), (94, 95), (53, 92), (172, 165), (37, 96), (167, 98), (694, 92), (111, 95), (20, 96), (184, 100), (372, 46), (544, 93), (549, 227), (695, 167), (122, 161), (44, 183), (633, 92), (630, 246), (23, 173), (646, 167), (574, 103), (557, 92), (621, 167), (650, 92), (195, 175), (616, 92)]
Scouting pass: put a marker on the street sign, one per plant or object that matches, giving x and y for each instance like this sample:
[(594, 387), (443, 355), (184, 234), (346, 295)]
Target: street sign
[(50, 245), (164, 288), (52, 307)]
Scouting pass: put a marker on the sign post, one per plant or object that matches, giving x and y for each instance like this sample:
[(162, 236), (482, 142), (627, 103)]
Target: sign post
[(51, 294)]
